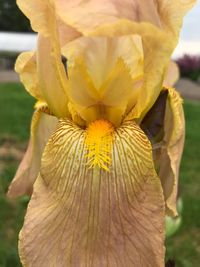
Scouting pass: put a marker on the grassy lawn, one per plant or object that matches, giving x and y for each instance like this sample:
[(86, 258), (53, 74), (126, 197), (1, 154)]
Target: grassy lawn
[(16, 107), (15, 112)]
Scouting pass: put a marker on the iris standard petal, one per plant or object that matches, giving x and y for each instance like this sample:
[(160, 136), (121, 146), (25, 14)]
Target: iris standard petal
[(81, 88), (110, 101), (98, 54), (169, 156), (50, 70), (165, 14), (87, 15), (35, 11), (42, 127), (91, 217), (116, 93), (118, 87), (156, 59), (38, 13), (171, 14), (52, 76), (101, 53)]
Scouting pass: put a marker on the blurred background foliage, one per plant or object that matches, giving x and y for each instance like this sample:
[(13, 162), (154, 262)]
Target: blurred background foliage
[(11, 18), (189, 67)]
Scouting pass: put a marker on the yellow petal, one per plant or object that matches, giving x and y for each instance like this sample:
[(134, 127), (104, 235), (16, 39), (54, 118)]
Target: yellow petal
[(101, 53), (169, 157), (52, 76), (117, 91), (172, 75), (159, 32), (86, 16), (98, 54), (81, 89), (66, 33), (90, 217), (38, 13), (113, 67), (171, 14), (131, 50), (114, 114), (82, 93), (156, 58), (88, 114), (42, 127), (26, 67), (35, 11), (118, 87), (50, 70)]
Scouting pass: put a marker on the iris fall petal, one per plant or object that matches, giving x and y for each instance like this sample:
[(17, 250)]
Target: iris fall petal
[(90, 217)]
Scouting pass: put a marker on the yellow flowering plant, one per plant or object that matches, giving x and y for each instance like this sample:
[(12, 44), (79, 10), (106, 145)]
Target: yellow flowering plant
[(107, 133)]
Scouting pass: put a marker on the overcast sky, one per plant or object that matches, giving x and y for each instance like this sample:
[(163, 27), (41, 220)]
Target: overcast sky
[(191, 26)]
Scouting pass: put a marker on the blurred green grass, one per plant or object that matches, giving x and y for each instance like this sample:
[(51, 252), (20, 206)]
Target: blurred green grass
[(16, 108)]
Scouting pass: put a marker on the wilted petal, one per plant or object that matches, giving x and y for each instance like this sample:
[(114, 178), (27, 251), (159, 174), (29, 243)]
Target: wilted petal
[(172, 225), (42, 127), (27, 69), (169, 157), (172, 74), (153, 122), (90, 217)]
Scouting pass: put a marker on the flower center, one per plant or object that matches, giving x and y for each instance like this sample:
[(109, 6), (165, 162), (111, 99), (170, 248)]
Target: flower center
[(99, 139)]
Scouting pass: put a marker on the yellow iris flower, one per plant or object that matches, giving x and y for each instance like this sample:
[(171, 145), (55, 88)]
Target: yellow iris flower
[(107, 134)]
